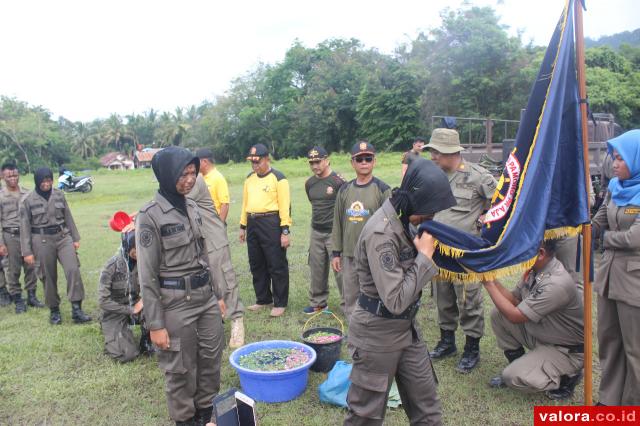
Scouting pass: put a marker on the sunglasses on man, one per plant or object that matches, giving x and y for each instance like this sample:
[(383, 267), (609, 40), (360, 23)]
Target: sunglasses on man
[(367, 159)]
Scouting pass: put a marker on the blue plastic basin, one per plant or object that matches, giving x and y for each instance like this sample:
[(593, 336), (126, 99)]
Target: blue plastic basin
[(273, 386)]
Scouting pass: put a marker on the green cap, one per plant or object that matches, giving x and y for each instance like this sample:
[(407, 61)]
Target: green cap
[(445, 141)]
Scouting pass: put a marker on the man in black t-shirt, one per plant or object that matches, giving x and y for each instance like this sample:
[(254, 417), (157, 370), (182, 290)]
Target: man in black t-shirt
[(321, 189)]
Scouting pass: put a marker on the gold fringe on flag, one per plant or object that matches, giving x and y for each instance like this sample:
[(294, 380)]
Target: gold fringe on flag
[(565, 231), (449, 251), (470, 277)]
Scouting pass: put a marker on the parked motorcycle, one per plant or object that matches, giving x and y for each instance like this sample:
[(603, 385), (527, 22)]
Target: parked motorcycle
[(69, 183)]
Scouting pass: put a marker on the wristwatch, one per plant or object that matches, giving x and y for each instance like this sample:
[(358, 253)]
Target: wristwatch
[(285, 231)]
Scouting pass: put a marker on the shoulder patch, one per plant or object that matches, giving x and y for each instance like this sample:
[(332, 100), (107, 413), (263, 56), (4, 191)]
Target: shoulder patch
[(278, 174), (388, 260), (146, 236)]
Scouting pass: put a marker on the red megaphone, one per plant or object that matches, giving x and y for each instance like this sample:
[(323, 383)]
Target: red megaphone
[(119, 220)]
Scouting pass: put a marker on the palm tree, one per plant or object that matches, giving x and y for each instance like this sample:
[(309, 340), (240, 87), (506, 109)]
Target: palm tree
[(83, 140)]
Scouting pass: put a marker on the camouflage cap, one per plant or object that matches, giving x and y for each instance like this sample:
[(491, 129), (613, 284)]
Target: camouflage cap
[(445, 141)]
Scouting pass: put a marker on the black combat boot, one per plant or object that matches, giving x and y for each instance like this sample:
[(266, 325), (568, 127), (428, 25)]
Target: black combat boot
[(446, 346), (77, 314), (146, 347), (32, 300), (511, 355), (565, 390), (55, 318), (470, 356), (203, 416), (21, 308), (5, 297), (189, 422)]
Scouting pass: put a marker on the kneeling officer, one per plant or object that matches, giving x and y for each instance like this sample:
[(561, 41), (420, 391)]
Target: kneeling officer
[(121, 305), (180, 306)]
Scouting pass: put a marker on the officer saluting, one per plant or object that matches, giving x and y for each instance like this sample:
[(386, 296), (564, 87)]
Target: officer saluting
[(48, 234), (180, 307)]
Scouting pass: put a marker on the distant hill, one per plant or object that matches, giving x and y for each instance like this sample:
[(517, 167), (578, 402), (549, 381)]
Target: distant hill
[(614, 41)]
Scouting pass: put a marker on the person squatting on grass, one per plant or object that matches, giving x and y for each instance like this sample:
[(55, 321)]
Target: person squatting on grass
[(393, 267), (544, 314), (48, 234), (121, 304), (180, 305)]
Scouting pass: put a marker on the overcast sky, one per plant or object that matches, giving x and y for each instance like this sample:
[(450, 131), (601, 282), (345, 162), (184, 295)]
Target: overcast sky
[(87, 59)]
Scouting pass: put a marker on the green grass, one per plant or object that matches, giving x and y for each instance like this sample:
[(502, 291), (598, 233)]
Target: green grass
[(59, 375)]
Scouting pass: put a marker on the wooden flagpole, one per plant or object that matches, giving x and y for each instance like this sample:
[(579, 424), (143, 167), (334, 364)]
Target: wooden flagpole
[(586, 228)]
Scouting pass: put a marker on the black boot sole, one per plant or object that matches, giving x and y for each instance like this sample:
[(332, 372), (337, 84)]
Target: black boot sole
[(81, 321), (446, 355)]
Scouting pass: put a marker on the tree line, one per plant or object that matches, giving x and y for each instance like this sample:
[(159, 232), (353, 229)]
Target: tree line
[(334, 93)]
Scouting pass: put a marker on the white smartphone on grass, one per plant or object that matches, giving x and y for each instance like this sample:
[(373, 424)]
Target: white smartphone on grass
[(246, 410)]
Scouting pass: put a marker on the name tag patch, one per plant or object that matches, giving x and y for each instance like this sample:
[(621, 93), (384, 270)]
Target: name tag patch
[(171, 229), (632, 210)]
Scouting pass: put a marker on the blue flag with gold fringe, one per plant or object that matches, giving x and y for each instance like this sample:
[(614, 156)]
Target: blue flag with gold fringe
[(541, 192)]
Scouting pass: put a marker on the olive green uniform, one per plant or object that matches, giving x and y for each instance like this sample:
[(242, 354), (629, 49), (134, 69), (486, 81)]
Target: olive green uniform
[(322, 193), (10, 237), (552, 301), (355, 204), (118, 291), (617, 282), (472, 187), (390, 271), (47, 231), (178, 296), (219, 254)]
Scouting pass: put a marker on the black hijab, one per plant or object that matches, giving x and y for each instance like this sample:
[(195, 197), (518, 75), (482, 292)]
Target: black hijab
[(168, 166), (41, 174), (424, 190)]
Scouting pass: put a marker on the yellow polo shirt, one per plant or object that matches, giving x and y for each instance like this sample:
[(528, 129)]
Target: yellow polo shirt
[(218, 188), (268, 193)]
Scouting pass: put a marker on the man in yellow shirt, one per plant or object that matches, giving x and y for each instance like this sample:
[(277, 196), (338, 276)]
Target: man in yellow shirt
[(264, 223), (216, 183)]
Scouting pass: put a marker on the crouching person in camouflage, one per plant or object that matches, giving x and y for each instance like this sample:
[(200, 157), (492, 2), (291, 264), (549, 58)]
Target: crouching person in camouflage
[(180, 305), (121, 305)]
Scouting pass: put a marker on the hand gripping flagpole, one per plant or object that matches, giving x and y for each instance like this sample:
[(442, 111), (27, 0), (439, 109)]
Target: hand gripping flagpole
[(586, 228)]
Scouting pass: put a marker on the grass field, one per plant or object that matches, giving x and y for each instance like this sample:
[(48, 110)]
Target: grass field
[(59, 375)]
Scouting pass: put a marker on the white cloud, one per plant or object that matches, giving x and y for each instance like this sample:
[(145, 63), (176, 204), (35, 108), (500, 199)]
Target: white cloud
[(87, 59)]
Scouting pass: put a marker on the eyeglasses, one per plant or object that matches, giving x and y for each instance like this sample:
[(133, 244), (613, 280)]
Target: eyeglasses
[(255, 161), (361, 159), (312, 162)]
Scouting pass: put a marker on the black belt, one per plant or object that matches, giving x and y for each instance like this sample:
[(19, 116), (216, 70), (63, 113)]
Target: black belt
[(199, 279), (377, 308), (255, 215), (574, 349), (47, 230), (14, 231)]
